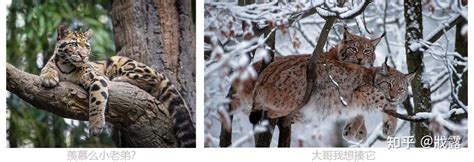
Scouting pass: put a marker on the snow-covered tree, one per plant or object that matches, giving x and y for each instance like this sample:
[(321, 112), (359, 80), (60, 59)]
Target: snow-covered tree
[(238, 34)]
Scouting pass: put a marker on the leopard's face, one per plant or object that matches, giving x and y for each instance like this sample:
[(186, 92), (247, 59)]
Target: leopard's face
[(358, 50), (393, 84), (73, 46)]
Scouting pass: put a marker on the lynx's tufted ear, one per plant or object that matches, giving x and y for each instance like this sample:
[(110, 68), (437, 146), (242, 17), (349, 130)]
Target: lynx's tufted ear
[(385, 67), (88, 34), (62, 32), (377, 40), (347, 36), (410, 76)]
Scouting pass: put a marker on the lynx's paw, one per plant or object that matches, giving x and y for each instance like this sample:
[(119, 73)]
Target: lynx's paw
[(354, 130), (49, 79), (389, 125)]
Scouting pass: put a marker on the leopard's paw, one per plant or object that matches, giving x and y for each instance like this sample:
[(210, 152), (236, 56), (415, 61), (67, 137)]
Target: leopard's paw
[(96, 127), (50, 79)]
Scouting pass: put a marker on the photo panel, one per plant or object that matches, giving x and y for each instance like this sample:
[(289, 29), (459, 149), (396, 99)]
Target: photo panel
[(102, 73), (359, 74)]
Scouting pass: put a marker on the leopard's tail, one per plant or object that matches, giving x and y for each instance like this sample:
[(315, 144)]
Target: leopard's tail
[(183, 124)]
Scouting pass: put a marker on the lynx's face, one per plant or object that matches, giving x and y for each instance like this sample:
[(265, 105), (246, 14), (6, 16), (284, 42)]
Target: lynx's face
[(393, 84), (358, 50), (73, 47)]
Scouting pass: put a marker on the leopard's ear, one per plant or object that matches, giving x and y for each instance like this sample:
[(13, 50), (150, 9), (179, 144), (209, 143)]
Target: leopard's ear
[(62, 32), (376, 41), (88, 34)]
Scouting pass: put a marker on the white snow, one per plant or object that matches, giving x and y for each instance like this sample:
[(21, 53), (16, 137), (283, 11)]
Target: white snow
[(415, 46)]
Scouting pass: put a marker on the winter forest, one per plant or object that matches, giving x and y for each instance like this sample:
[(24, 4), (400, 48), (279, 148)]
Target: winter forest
[(427, 38)]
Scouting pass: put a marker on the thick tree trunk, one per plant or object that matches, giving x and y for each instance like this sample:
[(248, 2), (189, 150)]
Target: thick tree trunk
[(159, 34), (143, 121), (421, 90), (186, 68)]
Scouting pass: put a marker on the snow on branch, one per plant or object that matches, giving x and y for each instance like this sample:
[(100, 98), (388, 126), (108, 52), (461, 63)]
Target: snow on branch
[(452, 60), (425, 116), (332, 9), (406, 117), (424, 44), (264, 17)]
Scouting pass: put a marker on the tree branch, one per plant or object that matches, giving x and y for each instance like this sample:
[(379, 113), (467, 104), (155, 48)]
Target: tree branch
[(335, 11), (310, 76), (433, 37), (438, 32), (394, 113), (145, 120)]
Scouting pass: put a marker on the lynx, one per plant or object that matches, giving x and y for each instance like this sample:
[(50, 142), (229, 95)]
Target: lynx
[(352, 49), (279, 88)]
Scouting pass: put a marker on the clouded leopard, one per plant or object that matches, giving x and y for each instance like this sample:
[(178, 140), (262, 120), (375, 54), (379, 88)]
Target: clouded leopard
[(70, 62)]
